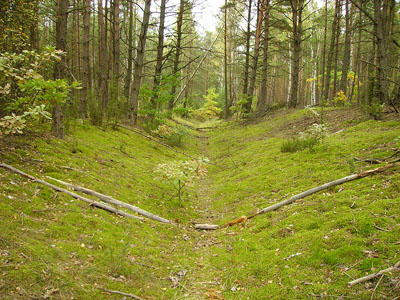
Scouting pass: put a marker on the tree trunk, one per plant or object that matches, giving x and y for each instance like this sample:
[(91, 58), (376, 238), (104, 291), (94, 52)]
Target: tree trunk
[(262, 101), (160, 56), (177, 51), (297, 23), (116, 41), (247, 57), (102, 68), (346, 53), (128, 78), (226, 106), (322, 98), (59, 70), (139, 62), (253, 76), (85, 61)]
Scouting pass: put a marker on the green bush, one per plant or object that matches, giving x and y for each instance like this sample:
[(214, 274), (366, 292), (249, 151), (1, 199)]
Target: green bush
[(298, 143)]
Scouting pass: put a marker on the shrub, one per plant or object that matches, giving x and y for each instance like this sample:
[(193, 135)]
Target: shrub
[(307, 139), (182, 173), (209, 110), (172, 136), (374, 110)]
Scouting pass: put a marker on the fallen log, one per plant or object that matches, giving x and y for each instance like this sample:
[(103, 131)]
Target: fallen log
[(395, 267), (111, 200), (76, 196), (320, 188)]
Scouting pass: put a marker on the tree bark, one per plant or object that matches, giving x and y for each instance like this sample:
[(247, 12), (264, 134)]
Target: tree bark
[(85, 60), (226, 106), (177, 50), (139, 62), (128, 78), (160, 55), (247, 55), (102, 68), (262, 101), (346, 52), (116, 41), (59, 70)]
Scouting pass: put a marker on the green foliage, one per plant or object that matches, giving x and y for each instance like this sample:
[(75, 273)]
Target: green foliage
[(182, 173), (172, 136), (237, 107), (209, 110), (307, 139), (374, 110), (14, 124)]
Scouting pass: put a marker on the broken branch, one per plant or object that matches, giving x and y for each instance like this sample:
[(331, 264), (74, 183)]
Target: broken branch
[(120, 293), (111, 200), (395, 267), (76, 196)]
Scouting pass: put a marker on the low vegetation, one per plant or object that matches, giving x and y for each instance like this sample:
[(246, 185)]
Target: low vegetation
[(54, 247)]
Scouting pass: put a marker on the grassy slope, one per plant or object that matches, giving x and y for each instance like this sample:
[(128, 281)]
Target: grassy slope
[(63, 244)]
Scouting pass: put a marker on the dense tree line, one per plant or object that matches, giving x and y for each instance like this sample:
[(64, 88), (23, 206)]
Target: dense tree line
[(146, 59)]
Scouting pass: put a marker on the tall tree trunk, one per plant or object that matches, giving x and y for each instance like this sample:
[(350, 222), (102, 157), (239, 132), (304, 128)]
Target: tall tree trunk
[(297, 23), (253, 76), (139, 62), (323, 99), (331, 52), (226, 111), (160, 55), (247, 57), (59, 69), (335, 67), (102, 68), (116, 41), (85, 61), (346, 52), (34, 28), (177, 51), (128, 78), (262, 101)]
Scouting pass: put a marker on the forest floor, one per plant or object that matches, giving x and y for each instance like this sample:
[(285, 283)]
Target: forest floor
[(54, 247)]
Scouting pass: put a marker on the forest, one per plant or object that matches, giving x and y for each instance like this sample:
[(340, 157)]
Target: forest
[(198, 149)]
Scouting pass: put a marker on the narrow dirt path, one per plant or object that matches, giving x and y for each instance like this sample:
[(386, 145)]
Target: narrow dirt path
[(204, 282)]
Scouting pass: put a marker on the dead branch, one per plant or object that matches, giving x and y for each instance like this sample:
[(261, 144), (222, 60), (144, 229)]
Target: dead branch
[(206, 226), (120, 293), (76, 196), (79, 171), (320, 188), (395, 267), (111, 200)]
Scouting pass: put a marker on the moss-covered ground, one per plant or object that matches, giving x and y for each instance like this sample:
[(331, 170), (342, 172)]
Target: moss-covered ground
[(55, 247)]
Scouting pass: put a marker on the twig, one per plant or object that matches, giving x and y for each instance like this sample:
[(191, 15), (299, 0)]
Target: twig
[(79, 171), (144, 265), (372, 276), (379, 281), (382, 229), (120, 293)]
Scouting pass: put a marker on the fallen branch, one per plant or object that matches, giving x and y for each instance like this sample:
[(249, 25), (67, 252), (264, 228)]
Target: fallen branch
[(323, 187), (76, 196), (396, 267), (319, 188), (79, 171), (206, 226), (111, 200), (120, 293)]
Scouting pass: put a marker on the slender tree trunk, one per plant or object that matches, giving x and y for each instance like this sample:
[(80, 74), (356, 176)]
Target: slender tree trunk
[(331, 52), (128, 78), (247, 62), (346, 52), (116, 41), (85, 61), (253, 76), (160, 55), (102, 57), (59, 69), (323, 99), (262, 101), (34, 28), (139, 62), (297, 23), (177, 51), (226, 111)]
